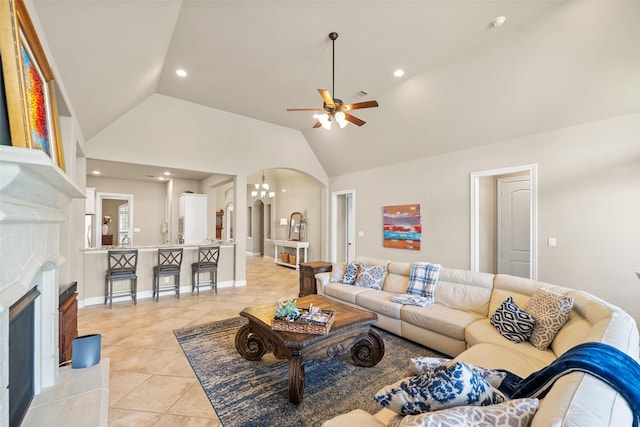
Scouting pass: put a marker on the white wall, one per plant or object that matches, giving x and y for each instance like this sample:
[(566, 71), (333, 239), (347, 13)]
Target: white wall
[(588, 199)]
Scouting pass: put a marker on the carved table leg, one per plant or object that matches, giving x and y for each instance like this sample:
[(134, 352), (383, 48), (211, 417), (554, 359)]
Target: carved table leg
[(368, 350), (249, 344), (296, 380)]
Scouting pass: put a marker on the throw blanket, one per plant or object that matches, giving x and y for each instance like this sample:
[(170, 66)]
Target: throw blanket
[(605, 362), (423, 280), (407, 299)]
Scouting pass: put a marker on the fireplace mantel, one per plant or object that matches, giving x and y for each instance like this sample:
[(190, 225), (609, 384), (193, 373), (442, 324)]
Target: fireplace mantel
[(29, 178)]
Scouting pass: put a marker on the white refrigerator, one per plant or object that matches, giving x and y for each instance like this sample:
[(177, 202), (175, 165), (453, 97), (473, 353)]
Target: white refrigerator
[(192, 218)]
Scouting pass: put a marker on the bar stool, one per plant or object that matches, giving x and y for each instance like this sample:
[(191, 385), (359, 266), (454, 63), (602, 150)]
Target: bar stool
[(121, 265), (207, 261), (169, 262)]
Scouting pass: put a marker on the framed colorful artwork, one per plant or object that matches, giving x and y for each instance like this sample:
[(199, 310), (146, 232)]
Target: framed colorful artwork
[(28, 84), (402, 227)]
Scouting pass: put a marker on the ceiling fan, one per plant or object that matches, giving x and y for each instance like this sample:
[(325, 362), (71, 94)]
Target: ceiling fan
[(334, 108)]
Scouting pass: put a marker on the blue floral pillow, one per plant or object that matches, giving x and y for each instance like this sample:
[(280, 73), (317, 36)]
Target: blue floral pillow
[(370, 276), (419, 365), (513, 323), (350, 274), (439, 388)]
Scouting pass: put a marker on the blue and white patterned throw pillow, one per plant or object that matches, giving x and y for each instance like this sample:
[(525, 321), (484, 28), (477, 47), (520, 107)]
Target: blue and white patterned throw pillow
[(370, 276), (423, 279), (350, 274), (439, 388), (516, 412), (512, 322), (419, 365)]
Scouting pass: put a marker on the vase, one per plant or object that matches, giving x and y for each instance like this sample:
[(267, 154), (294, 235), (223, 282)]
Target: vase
[(105, 229)]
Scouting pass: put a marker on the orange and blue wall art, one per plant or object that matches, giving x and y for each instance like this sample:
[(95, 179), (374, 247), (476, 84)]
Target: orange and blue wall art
[(402, 227), (36, 98)]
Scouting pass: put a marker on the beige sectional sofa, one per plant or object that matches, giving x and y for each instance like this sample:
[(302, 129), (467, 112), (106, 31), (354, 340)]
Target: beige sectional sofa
[(458, 325)]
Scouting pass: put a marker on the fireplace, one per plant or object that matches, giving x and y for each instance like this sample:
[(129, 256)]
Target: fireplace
[(34, 195), (21, 355)]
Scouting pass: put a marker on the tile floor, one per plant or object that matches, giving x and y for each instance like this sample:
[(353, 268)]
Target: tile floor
[(151, 381)]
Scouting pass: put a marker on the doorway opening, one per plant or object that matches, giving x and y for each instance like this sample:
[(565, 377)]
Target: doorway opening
[(485, 220), (343, 225), (115, 199)]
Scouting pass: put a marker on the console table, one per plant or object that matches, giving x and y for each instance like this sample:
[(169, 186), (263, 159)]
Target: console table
[(291, 244)]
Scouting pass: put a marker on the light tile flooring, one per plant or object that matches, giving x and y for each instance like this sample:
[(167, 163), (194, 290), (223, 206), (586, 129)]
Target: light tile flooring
[(151, 381)]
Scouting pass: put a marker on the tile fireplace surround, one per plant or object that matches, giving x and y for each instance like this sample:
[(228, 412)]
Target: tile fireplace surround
[(33, 196)]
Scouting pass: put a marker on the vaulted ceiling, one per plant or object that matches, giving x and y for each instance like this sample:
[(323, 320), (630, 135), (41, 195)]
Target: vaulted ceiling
[(552, 64)]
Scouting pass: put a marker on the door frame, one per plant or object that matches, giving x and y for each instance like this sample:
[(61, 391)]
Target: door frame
[(532, 170), (334, 221)]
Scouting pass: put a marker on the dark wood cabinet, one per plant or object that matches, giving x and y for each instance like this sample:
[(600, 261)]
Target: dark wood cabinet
[(67, 326), (107, 240), (308, 271)]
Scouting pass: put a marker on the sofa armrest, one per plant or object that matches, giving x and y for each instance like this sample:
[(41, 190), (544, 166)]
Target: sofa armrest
[(321, 280), (357, 417)]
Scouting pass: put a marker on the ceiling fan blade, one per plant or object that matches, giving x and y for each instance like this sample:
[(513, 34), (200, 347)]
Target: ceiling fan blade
[(326, 96), (317, 125), (354, 119), (359, 105), (305, 109)]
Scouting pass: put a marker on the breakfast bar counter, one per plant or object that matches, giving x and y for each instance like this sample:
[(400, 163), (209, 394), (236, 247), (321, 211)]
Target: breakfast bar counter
[(95, 266)]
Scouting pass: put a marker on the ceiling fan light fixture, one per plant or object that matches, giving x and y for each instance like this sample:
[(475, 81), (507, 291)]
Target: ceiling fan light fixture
[(325, 121), (341, 119)]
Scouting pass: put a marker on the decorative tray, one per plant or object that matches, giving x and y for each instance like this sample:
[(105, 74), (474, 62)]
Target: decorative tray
[(318, 323)]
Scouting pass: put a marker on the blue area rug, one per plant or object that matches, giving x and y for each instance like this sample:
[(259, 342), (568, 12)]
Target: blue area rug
[(254, 394)]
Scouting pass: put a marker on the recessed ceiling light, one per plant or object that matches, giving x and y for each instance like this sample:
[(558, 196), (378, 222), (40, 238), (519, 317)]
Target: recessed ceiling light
[(167, 173), (96, 172), (398, 73), (161, 178), (181, 72), (497, 22)]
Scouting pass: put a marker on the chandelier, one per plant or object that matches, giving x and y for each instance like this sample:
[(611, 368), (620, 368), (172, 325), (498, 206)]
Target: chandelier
[(262, 190)]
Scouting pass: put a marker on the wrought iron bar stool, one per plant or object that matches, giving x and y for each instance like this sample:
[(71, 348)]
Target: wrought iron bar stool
[(207, 261), (169, 262), (121, 265)]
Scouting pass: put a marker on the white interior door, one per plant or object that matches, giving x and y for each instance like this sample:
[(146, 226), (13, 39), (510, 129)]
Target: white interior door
[(350, 233), (343, 226), (514, 234)]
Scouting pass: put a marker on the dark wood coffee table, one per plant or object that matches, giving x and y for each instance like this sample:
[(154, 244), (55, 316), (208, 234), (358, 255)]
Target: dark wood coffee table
[(351, 333)]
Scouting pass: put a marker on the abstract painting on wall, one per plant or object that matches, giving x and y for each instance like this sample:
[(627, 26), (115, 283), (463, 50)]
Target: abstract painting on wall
[(402, 227)]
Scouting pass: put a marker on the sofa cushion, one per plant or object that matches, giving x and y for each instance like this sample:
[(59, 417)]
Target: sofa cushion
[(517, 412), (397, 279), (493, 356), (370, 276), (551, 311), (465, 290), (442, 387), (438, 318), (350, 274), (345, 293), (379, 302), (423, 279), (513, 323)]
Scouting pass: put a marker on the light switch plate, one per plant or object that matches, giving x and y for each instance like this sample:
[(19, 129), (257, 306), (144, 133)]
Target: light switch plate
[(551, 241)]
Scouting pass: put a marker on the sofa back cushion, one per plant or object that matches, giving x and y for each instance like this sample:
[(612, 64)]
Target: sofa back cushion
[(465, 290)]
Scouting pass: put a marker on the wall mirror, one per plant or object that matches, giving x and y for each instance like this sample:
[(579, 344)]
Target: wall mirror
[(295, 226)]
